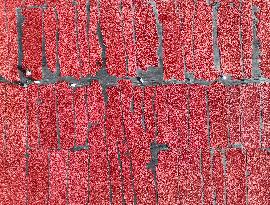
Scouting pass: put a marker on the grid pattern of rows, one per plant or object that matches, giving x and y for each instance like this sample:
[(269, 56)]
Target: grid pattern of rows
[(68, 145), (99, 145), (206, 38)]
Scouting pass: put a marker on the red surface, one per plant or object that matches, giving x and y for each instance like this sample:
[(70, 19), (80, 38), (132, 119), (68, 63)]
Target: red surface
[(3, 180), (250, 127), (114, 136), (50, 29), (162, 111), (98, 181), (186, 173), (80, 115), (2, 117), (83, 52), (258, 179), (87, 58), (203, 46), (32, 2), (58, 176), (189, 177), (126, 97), (206, 175), (47, 117), (247, 37), (11, 72), (187, 10), (15, 118), (12, 171), (32, 44), (172, 124), (198, 135), (140, 153), (236, 180), (95, 103), (218, 177), (263, 33), (146, 35), (66, 115), (13, 180), (67, 40), (110, 20), (228, 37), (38, 179), (218, 116), (149, 106), (78, 177), (33, 120), (128, 18), (234, 114), (95, 61), (182, 172), (169, 17), (4, 60), (265, 97), (177, 114)]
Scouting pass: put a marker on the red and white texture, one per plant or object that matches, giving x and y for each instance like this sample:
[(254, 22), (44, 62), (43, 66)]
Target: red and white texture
[(67, 145), (43, 127), (130, 35)]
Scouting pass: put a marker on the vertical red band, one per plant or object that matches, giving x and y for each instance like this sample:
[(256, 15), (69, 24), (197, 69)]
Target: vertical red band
[(12, 73), (33, 102), (169, 17), (263, 33), (67, 39), (58, 176), (50, 29), (78, 177), (187, 9), (80, 115), (236, 177), (250, 128), (111, 27), (140, 152), (38, 187), (66, 115), (265, 98), (32, 42), (218, 176), (129, 33), (16, 118), (14, 176), (2, 116), (4, 38), (125, 87), (189, 177), (95, 60), (171, 117), (198, 137), (83, 37), (228, 37), (15, 137), (146, 35), (234, 114), (218, 116), (98, 168), (203, 46), (205, 159), (247, 37), (114, 136), (258, 176), (47, 117)]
